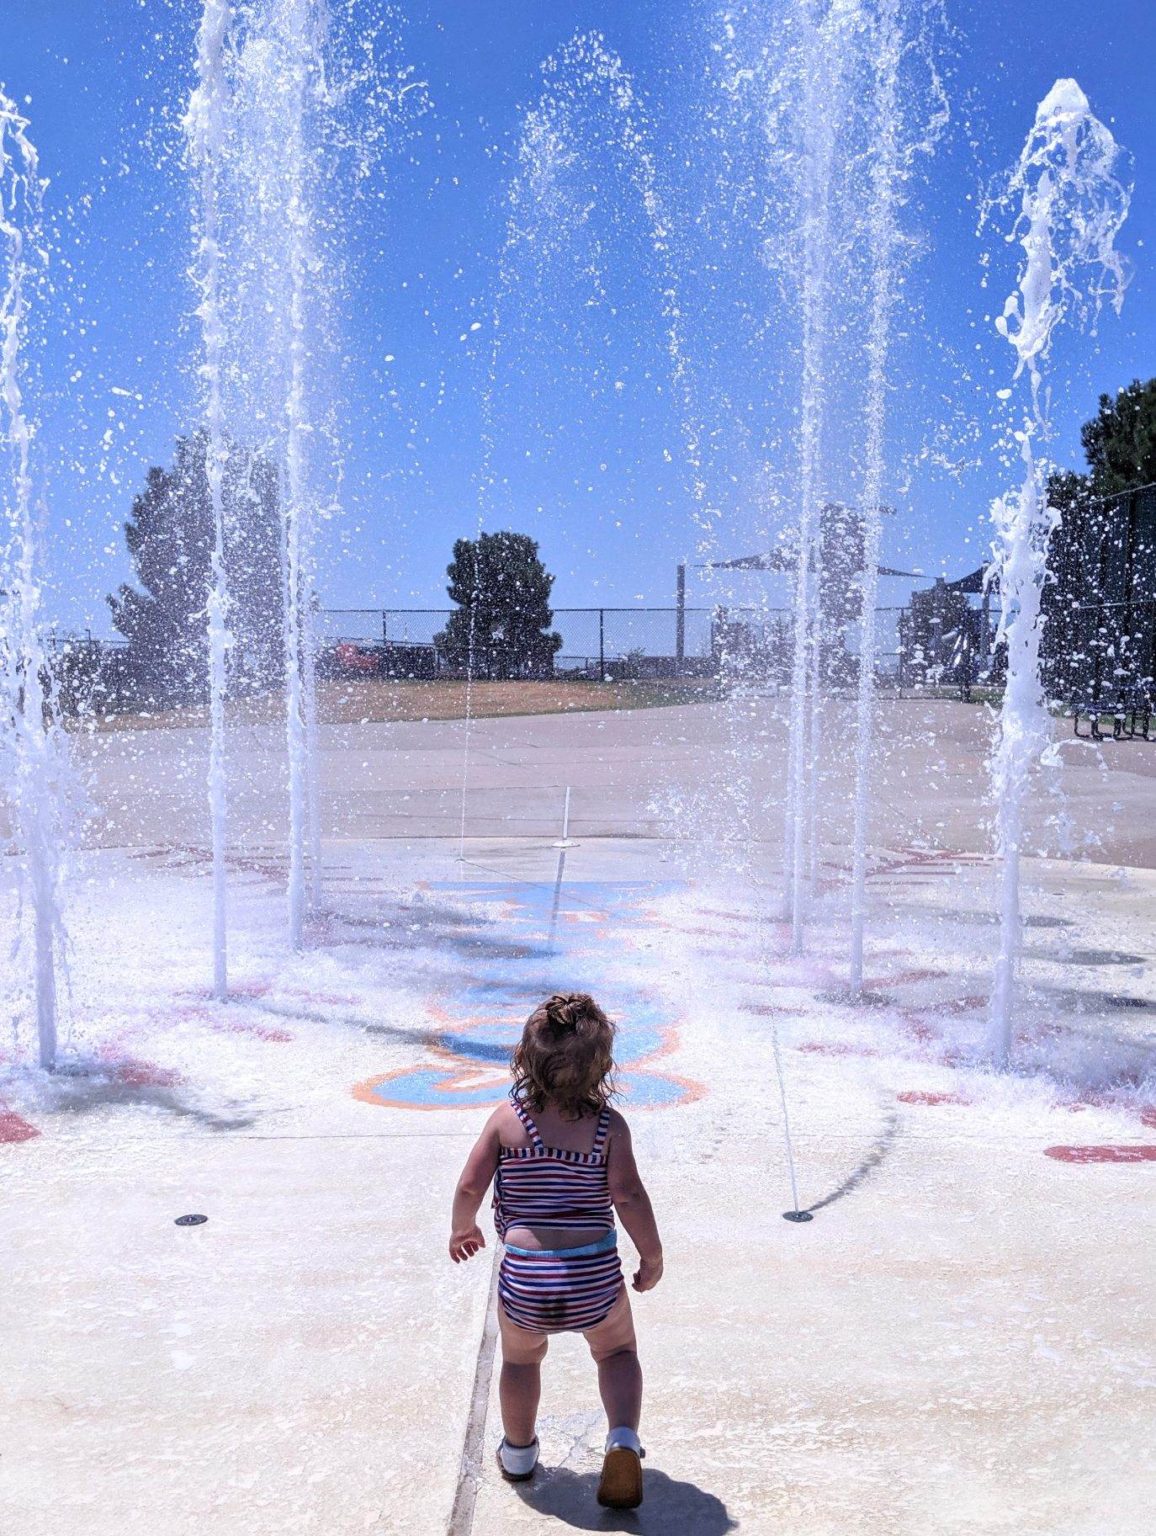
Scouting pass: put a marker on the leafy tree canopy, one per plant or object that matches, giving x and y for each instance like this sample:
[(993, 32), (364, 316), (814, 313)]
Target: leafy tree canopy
[(1119, 446), (1120, 441), (502, 623), (170, 539), (1097, 602)]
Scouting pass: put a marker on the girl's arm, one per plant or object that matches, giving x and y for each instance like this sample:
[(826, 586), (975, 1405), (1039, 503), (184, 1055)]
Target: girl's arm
[(481, 1165), (632, 1203)]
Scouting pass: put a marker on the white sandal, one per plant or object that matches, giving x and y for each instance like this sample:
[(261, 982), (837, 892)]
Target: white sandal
[(517, 1462)]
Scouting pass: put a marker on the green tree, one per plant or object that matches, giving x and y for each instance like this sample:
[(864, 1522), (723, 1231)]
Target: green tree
[(170, 539), (1097, 601), (1120, 441), (501, 627)]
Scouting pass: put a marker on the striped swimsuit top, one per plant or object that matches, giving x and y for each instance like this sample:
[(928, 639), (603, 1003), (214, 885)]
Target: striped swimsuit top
[(541, 1186)]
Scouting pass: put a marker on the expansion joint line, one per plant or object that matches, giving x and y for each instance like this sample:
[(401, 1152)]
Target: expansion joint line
[(469, 1473)]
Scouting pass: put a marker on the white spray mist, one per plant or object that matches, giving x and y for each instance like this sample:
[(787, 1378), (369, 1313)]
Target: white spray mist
[(36, 766), (206, 123), (1071, 205)]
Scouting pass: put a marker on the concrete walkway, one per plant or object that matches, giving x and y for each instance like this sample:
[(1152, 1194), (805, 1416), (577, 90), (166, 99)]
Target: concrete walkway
[(653, 772), (959, 1341)]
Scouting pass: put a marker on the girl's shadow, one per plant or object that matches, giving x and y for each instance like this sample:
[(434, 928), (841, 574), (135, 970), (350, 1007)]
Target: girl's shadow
[(669, 1507)]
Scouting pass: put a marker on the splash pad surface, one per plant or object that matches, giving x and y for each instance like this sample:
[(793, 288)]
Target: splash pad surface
[(938, 1301), (578, 928)]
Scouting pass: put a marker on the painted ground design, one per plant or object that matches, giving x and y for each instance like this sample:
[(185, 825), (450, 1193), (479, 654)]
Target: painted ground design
[(602, 937)]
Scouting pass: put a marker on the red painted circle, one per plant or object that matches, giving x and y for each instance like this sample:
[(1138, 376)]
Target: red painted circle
[(145, 1074), (835, 1048), (14, 1127), (1102, 1154), (919, 1096)]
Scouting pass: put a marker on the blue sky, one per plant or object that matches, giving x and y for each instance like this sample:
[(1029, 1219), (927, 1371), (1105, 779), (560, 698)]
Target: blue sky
[(588, 453)]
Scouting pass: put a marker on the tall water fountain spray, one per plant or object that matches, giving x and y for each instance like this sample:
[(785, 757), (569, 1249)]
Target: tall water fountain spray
[(205, 127), (589, 98), (297, 156), (892, 153), (279, 71), (295, 19), (31, 739), (848, 97), (827, 31), (883, 238), (1071, 206)]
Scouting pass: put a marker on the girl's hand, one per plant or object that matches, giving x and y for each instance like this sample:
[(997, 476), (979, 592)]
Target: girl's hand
[(648, 1274), (463, 1245)]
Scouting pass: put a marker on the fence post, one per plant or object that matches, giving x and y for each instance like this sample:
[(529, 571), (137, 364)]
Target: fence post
[(602, 645), (988, 650), (680, 622), (901, 629)]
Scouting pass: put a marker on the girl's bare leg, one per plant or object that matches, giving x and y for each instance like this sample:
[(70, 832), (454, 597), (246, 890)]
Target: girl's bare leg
[(519, 1389), (620, 1386), (520, 1382), (615, 1351)]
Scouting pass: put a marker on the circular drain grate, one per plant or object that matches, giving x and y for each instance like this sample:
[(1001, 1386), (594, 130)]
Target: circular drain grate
[(191, 1221)]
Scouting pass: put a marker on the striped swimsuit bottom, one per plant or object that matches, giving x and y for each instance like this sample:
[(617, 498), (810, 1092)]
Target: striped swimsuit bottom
[(557, 1290)]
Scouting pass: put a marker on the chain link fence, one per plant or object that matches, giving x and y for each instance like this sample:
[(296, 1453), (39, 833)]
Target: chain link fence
[(935, 645), (596, 642), (919, 647)]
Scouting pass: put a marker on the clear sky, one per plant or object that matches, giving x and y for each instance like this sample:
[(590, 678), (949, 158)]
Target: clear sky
[(588, 442)]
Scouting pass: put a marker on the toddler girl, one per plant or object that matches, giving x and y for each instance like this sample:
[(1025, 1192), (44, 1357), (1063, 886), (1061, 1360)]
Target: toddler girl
[(563, 1164)]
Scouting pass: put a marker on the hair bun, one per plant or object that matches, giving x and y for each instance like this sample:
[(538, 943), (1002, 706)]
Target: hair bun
[(561, 1013)]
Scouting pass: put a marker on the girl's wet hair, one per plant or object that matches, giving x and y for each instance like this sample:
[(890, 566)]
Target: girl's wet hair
[(566, 1056)]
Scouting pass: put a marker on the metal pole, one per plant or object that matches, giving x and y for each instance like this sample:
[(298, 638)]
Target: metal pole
[(985, 626), (602, 645), (680, 622), (565, 840)]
